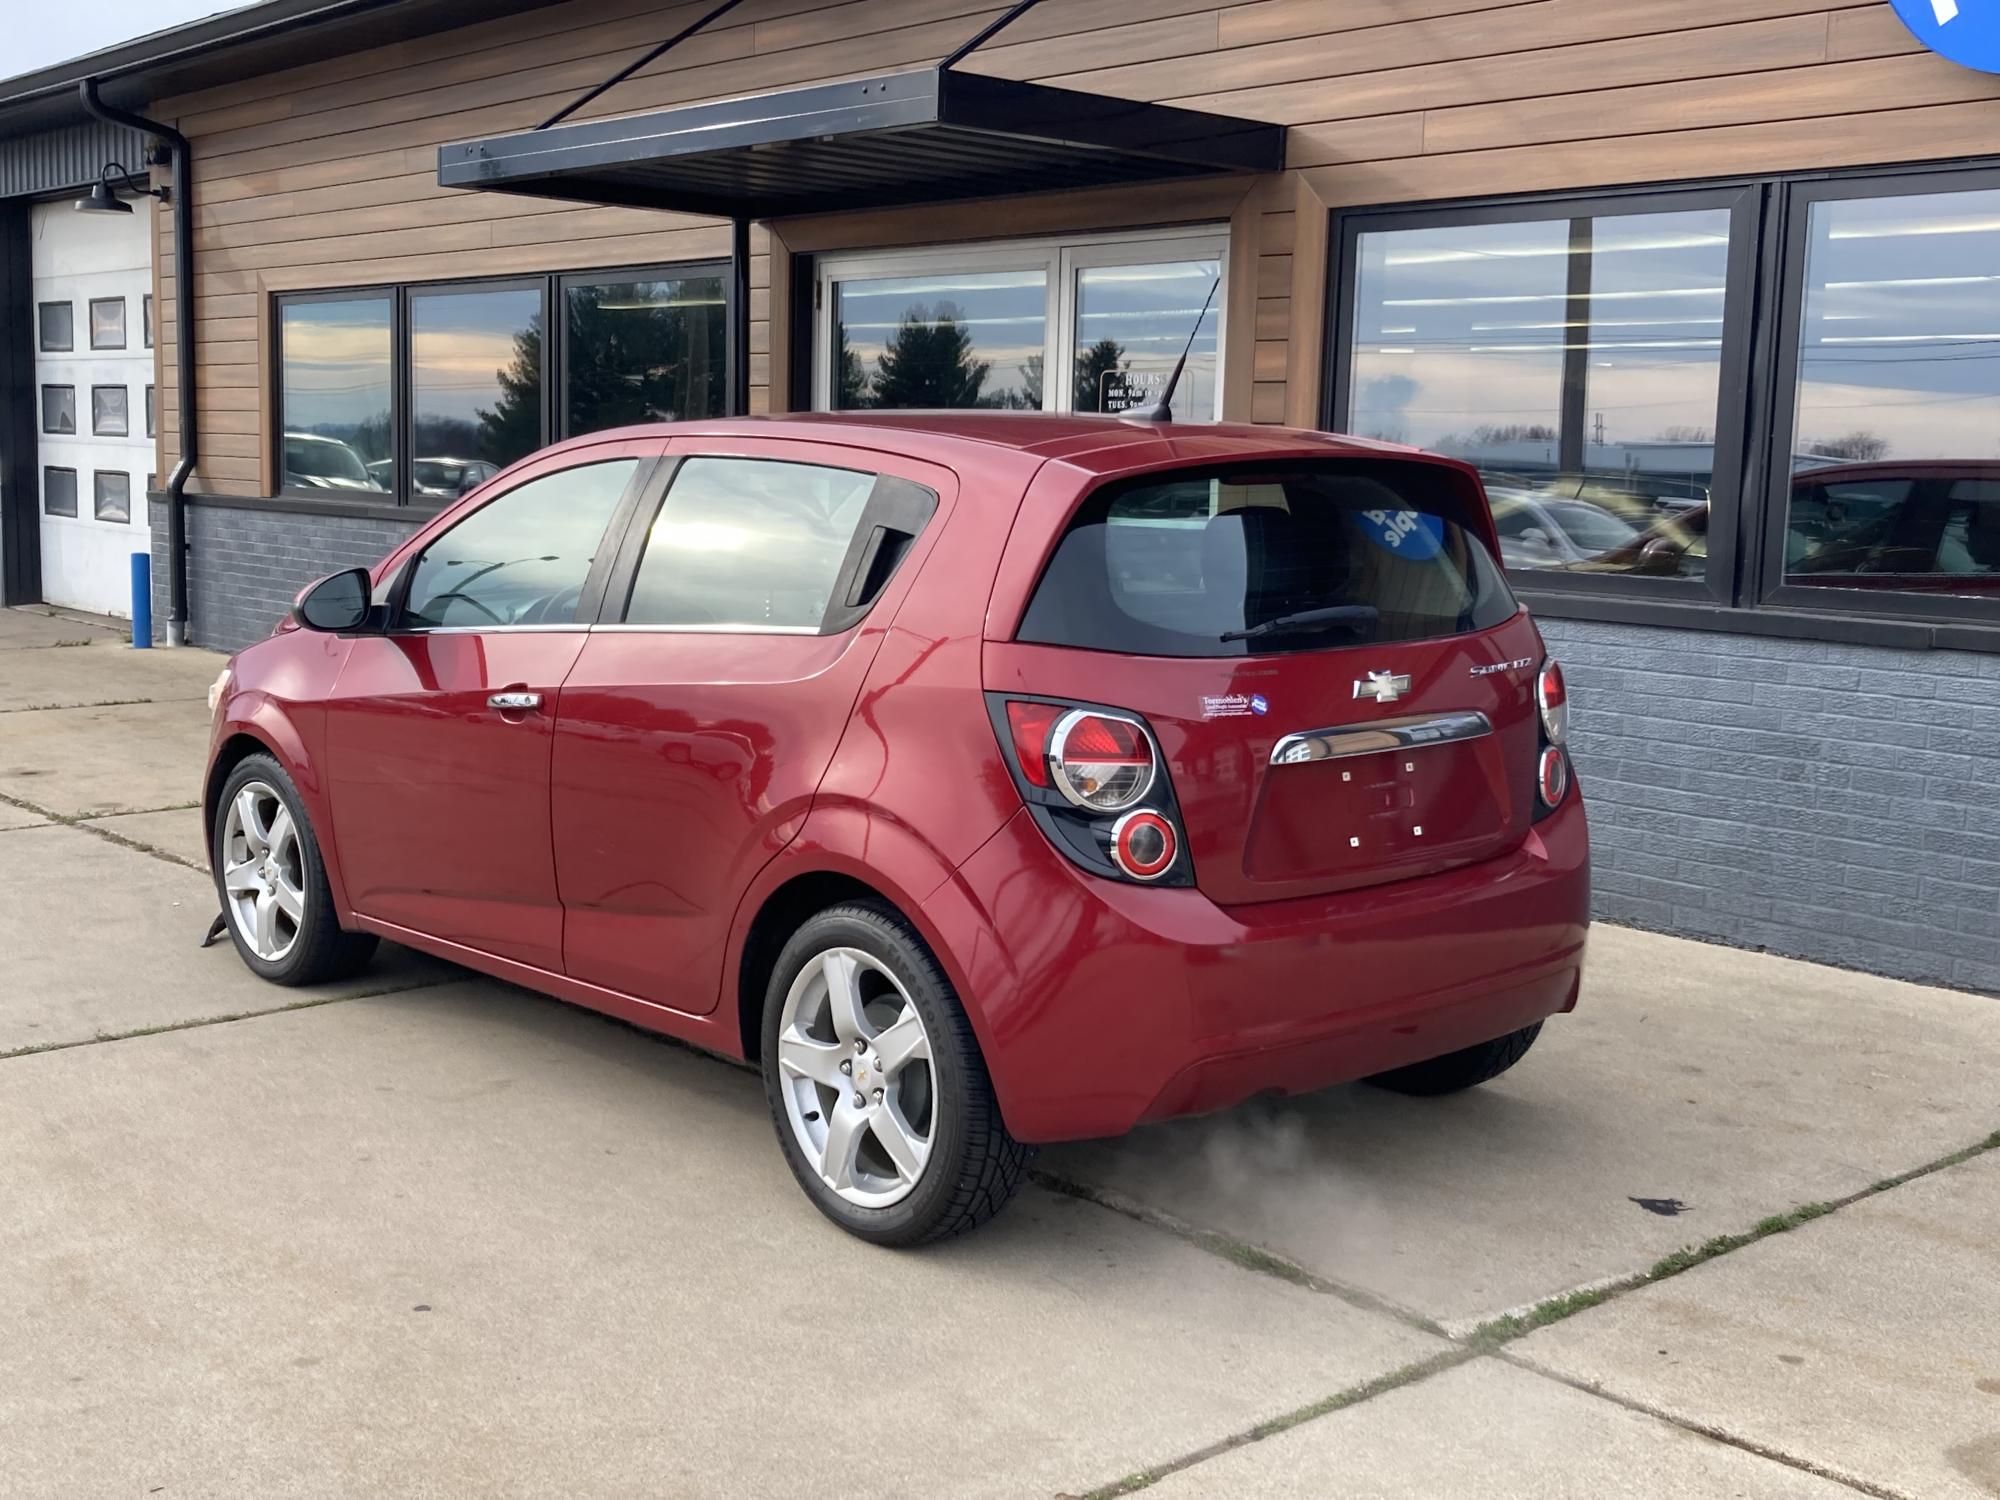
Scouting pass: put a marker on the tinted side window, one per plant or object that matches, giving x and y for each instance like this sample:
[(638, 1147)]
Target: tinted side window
[(523, 557), (749, 543)]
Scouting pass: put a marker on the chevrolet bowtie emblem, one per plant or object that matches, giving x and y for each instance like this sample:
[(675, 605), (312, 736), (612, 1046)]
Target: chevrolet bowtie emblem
[(1383, 687)]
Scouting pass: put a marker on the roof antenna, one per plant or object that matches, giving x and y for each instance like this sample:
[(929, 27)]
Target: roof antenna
[(1164, 412)]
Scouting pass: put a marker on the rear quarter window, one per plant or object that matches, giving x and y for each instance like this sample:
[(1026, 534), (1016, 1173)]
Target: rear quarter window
[(1242, 561)]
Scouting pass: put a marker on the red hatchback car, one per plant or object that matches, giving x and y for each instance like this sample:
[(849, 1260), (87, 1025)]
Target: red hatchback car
[(986, 779)]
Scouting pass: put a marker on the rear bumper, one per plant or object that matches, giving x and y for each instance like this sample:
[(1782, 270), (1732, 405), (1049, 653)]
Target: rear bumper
[(1102, 1005)]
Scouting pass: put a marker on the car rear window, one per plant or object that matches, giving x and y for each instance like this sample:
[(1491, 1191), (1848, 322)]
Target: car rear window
[(1242, 561)]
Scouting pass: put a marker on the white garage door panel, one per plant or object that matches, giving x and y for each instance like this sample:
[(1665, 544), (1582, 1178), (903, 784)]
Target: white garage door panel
[(78, 259)]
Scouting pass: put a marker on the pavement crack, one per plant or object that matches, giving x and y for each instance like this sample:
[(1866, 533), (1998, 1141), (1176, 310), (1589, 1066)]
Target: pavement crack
[(1354, 1395), (91, 823), (45, 708), (1704, 1429), (1240, 1253), (312, 1002)]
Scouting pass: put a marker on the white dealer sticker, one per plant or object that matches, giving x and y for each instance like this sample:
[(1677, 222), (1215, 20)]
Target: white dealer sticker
[(1234, 705)]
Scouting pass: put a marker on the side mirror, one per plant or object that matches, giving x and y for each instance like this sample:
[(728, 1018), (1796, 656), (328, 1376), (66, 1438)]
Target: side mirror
[(337, 602)]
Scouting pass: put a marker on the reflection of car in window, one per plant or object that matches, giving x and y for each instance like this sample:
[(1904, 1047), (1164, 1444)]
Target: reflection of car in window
[(322, 463), (1551, 532), (1930, 525)]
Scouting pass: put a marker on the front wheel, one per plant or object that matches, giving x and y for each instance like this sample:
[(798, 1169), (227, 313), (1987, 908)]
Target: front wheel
[(273, 885), (1463, 1069), (877, 1087)]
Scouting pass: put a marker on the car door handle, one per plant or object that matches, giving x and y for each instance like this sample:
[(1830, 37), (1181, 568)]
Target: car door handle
[(514, 702)]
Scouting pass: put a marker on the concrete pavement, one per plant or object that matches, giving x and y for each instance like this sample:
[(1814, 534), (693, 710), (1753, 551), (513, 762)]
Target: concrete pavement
[(435, 1235)]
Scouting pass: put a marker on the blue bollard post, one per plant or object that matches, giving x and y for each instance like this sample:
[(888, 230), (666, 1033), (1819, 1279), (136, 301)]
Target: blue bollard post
[(142, 601)]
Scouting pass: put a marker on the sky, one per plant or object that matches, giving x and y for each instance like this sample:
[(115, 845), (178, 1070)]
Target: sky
[(40, 34)]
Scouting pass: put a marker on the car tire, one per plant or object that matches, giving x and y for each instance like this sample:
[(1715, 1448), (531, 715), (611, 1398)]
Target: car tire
[(306, 948), (972, 1166), (1465, 1069)]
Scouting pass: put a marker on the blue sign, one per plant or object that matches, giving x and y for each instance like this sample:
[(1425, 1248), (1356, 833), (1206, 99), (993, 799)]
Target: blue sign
[(1409, 533), (1966, 31)]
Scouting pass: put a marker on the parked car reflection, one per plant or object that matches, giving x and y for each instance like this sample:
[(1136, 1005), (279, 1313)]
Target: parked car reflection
[(440, 478), (314, 462), (1928, 525)]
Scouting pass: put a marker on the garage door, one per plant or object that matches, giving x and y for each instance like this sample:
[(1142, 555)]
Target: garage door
[(94, 373)]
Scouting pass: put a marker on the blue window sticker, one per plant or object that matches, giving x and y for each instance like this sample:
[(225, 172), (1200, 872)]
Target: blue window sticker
[(1966, 31), (1259, 704), (1409, 533)]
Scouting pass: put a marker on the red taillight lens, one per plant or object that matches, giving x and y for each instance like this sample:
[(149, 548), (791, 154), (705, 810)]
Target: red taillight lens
[(1143, 845), (1099, 762), (1552, 779), (1030, 723), (1552, 698)]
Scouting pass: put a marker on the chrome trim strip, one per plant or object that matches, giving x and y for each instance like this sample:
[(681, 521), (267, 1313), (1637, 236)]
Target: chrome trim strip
[(490, 629), (706, 629), (1383, 735)]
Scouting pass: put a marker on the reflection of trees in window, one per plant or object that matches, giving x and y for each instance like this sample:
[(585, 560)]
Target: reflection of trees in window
[(512, 428), (928, 362), (1857, 447), (1105, 357), (652, 364), (851, 390)]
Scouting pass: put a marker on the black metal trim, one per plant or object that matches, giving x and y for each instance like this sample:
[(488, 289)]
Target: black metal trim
[(637, 63), (1001, 136), (1765, 266), (20, 443)]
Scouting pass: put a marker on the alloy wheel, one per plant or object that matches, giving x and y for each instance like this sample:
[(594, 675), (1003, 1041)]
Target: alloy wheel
[(856, 1076), (263, 871)]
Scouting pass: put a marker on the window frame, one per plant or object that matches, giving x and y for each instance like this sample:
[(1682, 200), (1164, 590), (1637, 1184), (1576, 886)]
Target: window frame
[(402, 500), (1059, 257), (1767, 582), (1741, 202), (1756, 401)]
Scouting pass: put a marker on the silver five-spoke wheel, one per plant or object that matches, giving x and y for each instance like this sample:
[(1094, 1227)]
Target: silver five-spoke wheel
[(856, 1077), (263, 871)]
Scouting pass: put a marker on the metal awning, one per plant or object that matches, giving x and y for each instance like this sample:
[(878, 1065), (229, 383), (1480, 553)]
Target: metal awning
[(926, 135)]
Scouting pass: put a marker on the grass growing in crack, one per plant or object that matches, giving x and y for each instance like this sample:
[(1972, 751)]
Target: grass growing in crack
[(1353, 1395), (311, 1002)]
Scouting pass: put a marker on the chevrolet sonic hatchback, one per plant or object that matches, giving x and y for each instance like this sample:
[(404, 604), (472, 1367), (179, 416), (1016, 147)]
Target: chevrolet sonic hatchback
[(985, 779)]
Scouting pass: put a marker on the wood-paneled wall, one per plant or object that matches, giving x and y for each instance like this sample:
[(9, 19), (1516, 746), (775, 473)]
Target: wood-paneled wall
[(325, 175)]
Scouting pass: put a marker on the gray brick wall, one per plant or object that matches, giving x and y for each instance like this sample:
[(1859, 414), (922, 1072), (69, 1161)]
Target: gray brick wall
[(247, 563), (1836, 803)]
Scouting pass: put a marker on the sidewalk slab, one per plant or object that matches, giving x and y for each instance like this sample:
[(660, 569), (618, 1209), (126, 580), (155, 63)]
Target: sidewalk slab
[(1722, 1085), (483, 1243), (177, 832), (106, 671), (1490, 1430), (100, 940), (85, 762), (28, 629), (18, 817), (1867, 1342)]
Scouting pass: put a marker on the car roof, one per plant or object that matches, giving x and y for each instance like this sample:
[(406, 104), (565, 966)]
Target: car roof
[(1093, 443)]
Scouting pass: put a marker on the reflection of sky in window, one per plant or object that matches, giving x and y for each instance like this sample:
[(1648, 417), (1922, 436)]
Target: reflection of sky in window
[(336, 357), (1148, 312), (1464, 327), (459, 344), (1006, 313), (1900, 341)]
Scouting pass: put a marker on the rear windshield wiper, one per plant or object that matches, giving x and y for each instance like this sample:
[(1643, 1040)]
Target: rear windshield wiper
[(1310, 619)]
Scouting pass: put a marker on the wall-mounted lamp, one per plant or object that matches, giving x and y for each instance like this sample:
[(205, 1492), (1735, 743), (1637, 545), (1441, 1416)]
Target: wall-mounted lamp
[(103, 195)]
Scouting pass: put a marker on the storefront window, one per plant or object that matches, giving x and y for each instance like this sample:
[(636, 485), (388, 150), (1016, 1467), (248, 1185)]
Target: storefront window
[(334, 402), (985, 328), (1896, 464), (643, 350), (1576, 361), (1133, 322), (968, 340), (476, 362)]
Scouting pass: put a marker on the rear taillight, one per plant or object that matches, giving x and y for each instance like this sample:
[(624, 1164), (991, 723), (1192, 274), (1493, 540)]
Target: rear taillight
[(1552, 779), (1552, 764), (1093, 779), (1552, 698)]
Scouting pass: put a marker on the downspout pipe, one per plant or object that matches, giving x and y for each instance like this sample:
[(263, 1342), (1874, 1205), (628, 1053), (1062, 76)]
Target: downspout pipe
[(184, 347)]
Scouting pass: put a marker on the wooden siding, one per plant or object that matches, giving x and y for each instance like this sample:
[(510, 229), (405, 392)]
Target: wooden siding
[(324, 176)]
